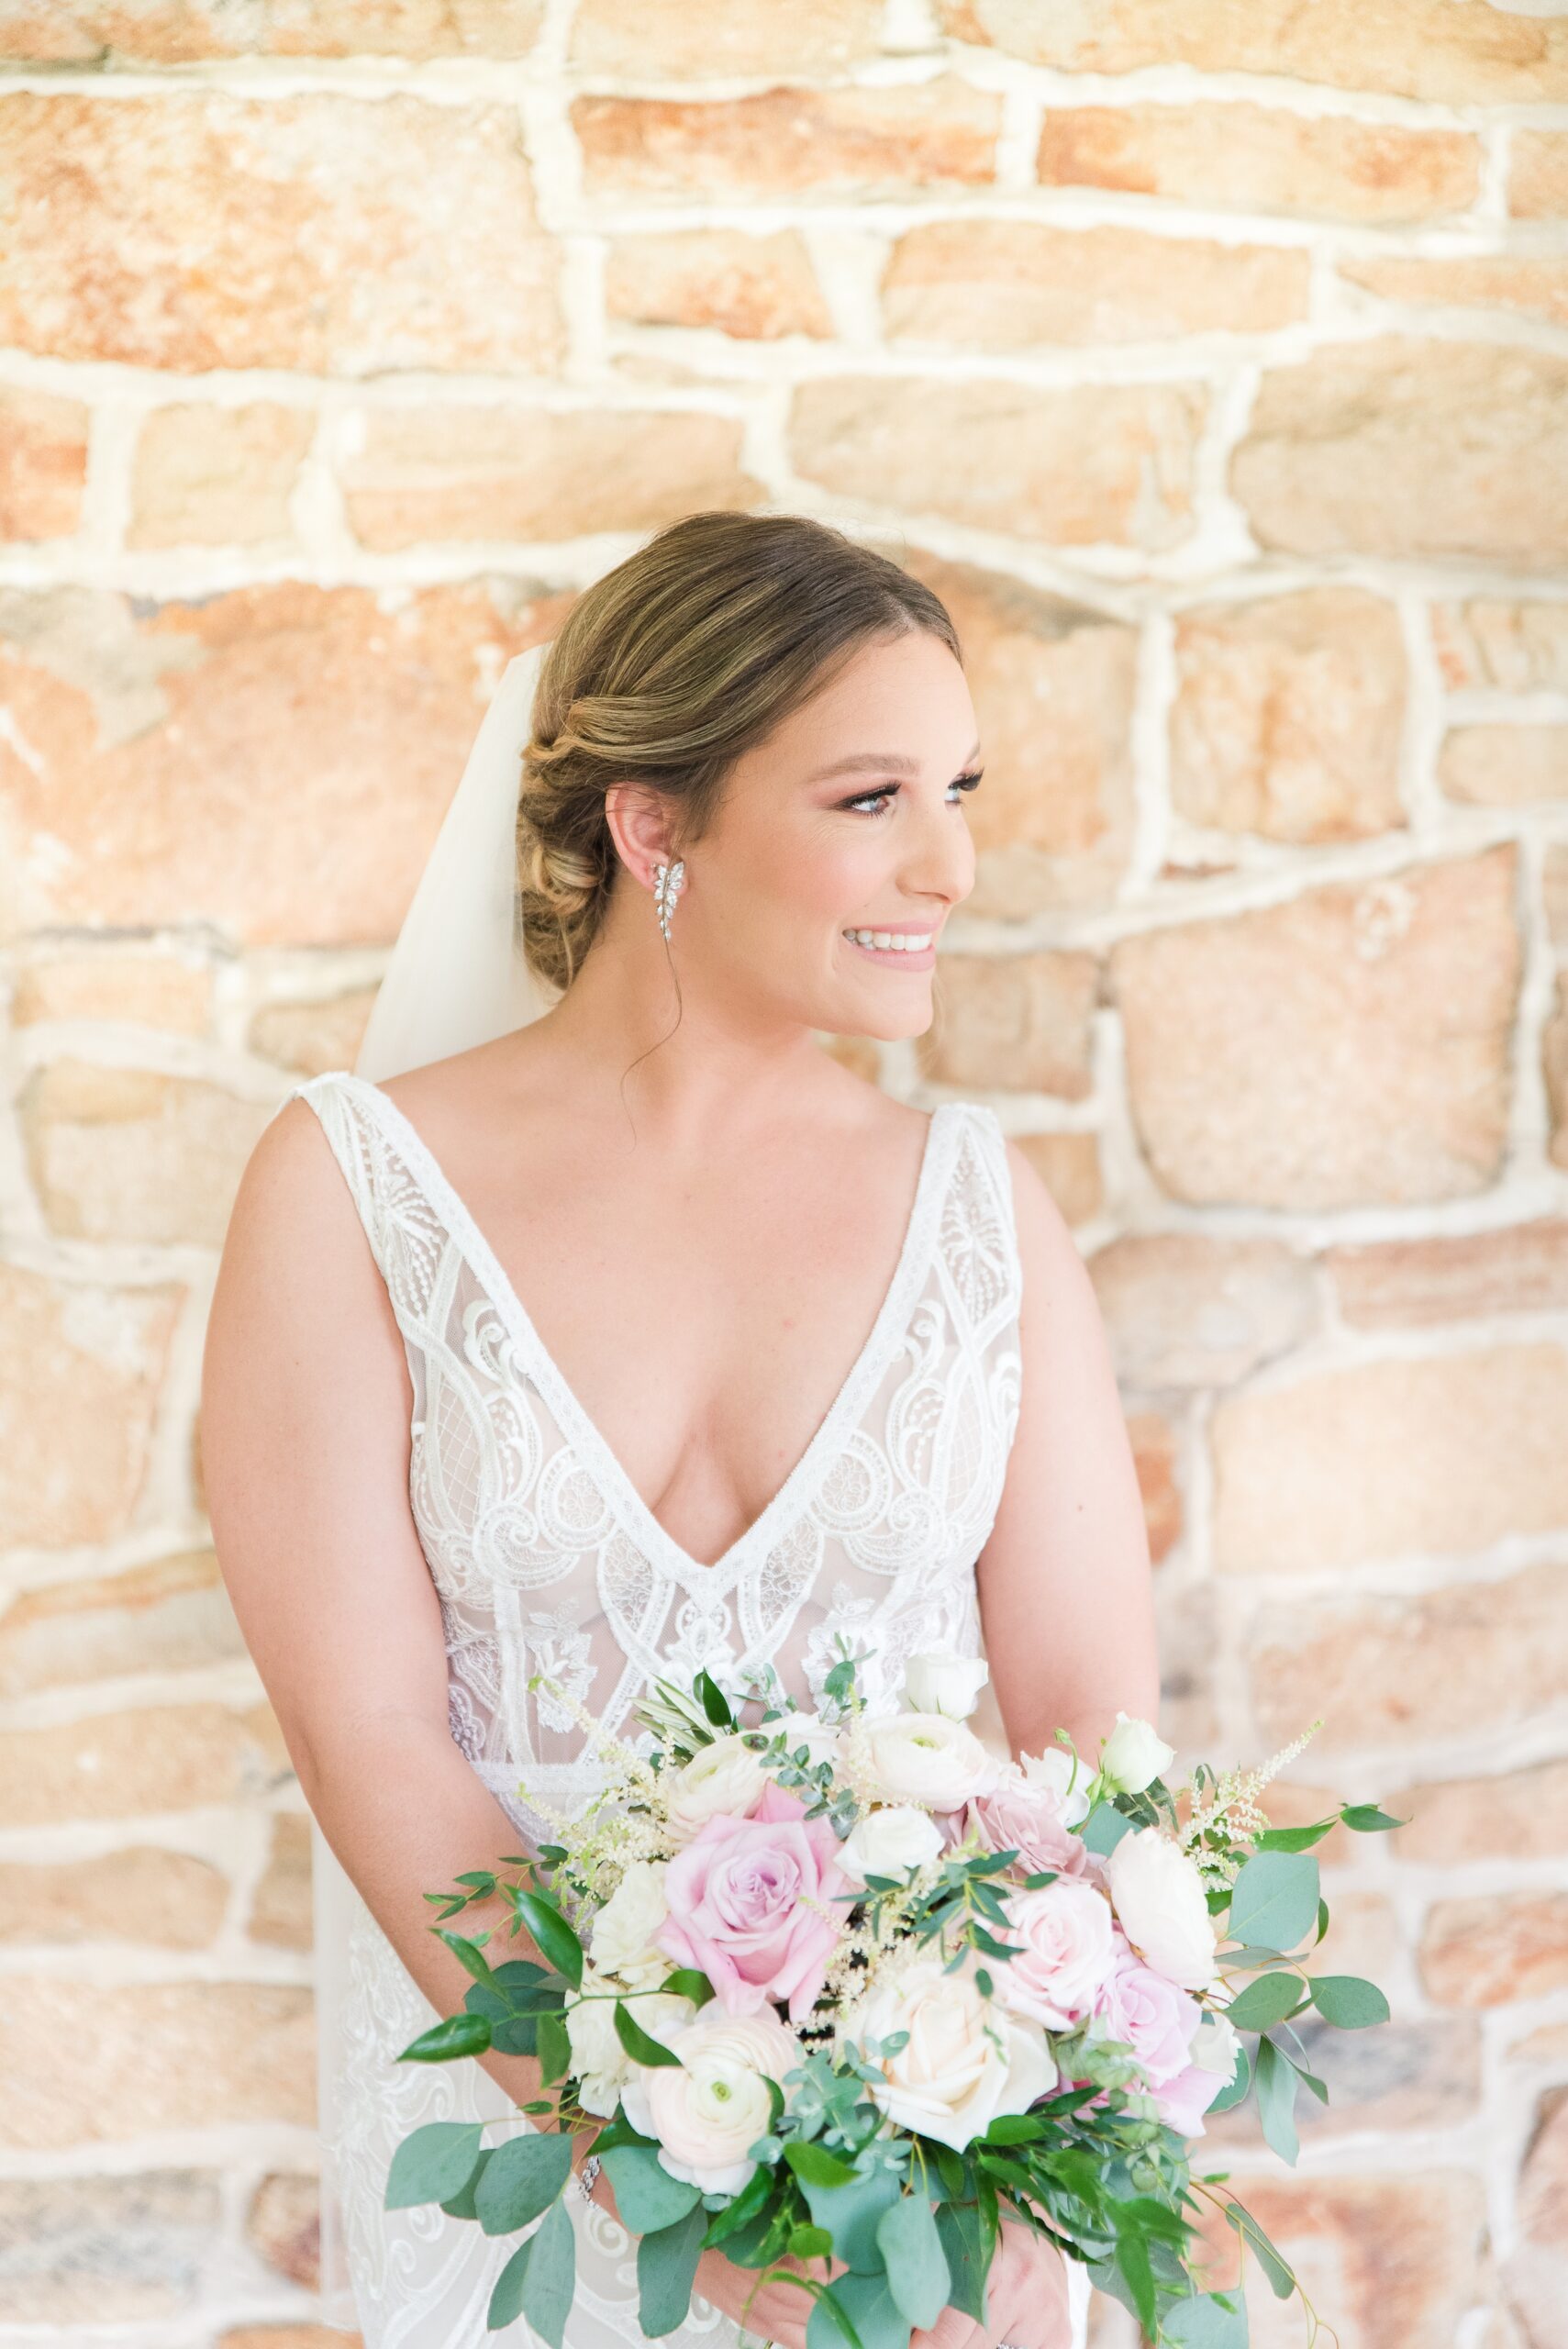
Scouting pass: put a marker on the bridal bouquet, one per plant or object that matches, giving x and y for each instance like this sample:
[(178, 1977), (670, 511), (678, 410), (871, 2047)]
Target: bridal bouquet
[(841, 1991)]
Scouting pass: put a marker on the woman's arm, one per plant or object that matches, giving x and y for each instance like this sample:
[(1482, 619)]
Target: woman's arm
[(1066, 1598), (306, 1402)]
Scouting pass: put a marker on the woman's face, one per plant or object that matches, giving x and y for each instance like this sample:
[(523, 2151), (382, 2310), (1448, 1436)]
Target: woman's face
[(850, 819)]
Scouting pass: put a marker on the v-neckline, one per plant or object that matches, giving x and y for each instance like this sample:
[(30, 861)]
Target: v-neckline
[(593, 1452)]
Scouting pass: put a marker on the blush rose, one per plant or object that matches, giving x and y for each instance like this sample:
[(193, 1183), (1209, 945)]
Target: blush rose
[(751, 1906)]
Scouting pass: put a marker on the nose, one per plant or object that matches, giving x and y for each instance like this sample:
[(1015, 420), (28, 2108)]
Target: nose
[(938, 864)]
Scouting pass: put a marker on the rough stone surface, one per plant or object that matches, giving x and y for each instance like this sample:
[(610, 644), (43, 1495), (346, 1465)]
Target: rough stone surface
[(160, 1617), (122, 1153), (1019, 1020), (1412, 1284), (165, 1900), (80, 1369), (1006, 284), (1342, 451), (43, 464), (104, 2250), (719, 37), (1517, 646), (1532, 286), (1394, 1458), (1505, 766), (1487, 1951), (284, 2226), (309, 1038), (1538, 178), (120, 1765), (280, 1913), (1536, 2269), (196, 229), (1387, 1672), (216, 476), (754, 289), (274, 759), (166, 992), (1516, 1814), (1287, 716), (423, 474), (179, 32), (1254, 158), (1185, 1310), (1073, 466)]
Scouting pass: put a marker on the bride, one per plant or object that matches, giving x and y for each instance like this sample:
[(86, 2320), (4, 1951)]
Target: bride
[(601, 1325)]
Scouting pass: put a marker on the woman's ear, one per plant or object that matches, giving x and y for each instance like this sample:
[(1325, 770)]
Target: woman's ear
[(641, 824)]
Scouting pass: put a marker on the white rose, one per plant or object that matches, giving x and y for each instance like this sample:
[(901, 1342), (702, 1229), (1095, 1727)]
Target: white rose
[(623, 1931), (601, 2064), (936, 1683), (1158, 1897), (820, 1738), (724, 1777), (927, 1759), (964, 2061), (890, 1842), (709, 2111), (1215, 2044), (1054, 1769), (1134, 1756)]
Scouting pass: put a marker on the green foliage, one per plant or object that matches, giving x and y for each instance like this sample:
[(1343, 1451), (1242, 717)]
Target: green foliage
[(1348, 2002), (647, 2196), (1274, 1900), (433, 2164), (916, 2265), (666, 2265), (521, 2178), (556, 1941), (458, 2035), (639, 2044)]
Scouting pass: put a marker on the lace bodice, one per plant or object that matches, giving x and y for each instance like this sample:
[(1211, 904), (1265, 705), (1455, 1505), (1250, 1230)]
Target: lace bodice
[(546, 1562)]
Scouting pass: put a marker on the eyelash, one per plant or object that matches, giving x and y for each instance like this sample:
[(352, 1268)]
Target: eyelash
[(890, 791)]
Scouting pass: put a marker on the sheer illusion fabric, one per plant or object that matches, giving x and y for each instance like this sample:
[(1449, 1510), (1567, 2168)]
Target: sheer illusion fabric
[(546, 1560)]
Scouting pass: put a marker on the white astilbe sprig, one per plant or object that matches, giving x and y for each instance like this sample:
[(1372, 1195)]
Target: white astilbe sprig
[(1232, 1816), (623, 1821)]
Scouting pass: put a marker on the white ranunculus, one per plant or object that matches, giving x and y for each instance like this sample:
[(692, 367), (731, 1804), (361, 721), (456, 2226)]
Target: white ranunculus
[(1215, 2044), (927, 1759), (1052, 1769), (821, 1739), (936, 1683), (601, 2064), (890, 1842), (707, 2112), (724, 1777), (965, 2060), (1134, 1754), (1158, 1895), (622, 1934)]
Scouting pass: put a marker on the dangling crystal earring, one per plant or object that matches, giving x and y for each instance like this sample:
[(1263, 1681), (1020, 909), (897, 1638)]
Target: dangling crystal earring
[(669, 880)]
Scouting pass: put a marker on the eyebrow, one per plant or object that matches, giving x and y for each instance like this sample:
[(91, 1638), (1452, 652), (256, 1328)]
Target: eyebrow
[(860, 760)]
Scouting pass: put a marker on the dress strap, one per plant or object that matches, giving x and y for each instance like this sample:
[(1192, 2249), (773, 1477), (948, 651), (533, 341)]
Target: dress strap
[(352, 1141)]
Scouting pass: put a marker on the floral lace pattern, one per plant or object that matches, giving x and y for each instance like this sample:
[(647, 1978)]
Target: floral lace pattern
[(546, 1560)]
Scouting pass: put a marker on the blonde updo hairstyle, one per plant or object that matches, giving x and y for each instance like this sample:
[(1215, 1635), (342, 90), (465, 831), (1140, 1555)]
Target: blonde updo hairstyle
[(668, 670)]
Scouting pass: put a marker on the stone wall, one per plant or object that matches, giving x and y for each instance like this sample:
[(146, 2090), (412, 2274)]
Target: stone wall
[(1211, 357)]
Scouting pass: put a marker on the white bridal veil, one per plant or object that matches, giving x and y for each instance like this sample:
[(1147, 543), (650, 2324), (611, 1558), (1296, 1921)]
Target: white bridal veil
[(456, 978)]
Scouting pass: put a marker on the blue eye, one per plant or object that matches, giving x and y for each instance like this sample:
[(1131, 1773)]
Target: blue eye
[(889, 791)]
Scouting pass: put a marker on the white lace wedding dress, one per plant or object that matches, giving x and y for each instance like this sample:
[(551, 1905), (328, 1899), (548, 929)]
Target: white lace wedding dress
[(547, 1560)]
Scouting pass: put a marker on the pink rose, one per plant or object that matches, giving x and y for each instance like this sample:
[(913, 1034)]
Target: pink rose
[(1157, 2020), (751, 1905), (1023, 1815), (1065, 1935), (1183, 2100)]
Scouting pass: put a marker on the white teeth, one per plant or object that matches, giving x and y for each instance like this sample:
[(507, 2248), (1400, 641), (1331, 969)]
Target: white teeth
[(904, 941)]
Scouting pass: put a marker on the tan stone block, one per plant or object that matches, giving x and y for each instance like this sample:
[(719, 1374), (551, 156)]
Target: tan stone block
[(280, 1913), (179, 32), (1154, 1443), (1516, 1815), (1287, 716), (1077, 466), (1053, 683), (1538, 174), (1533, 285), (167, 1900), (1412, 49), (1547, 2046), (1504, 766), (164, 1616), (207, 475), (1068, 1166), (1444, 1456), (275, 761), (508, 473), (1185, 1626), (1262, 159), (1554, 1070), (197, 229), (1397, 2077), (1016, 1021), (1414, 1284), (133, 1154), (754, 289), (284, 2226), (287, 2336), (1348, 1045), (908, 137), (1554, 892), (81, 1367), (136, 2059), (1491, 1950), (148, 990), (43, 464), (1343, 450), (723, 36), (97, 2251), (1498, 640), (118, 1765), (1387, 1672), (1008, 284), (1537, 2267), (1185, 1310), (313, 1037)]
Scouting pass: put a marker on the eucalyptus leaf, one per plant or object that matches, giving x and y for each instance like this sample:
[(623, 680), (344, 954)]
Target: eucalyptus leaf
[(1274, 1900), (1103, 1828), (916, 2265), (1266, 2001), (647, 2196), (962, 2239), (433, 2164), (1277, 2100), (521, 2178), (1348, 2002), (1206, 2321), (666, 2265), (552, 2276), (1366, 1819), (507, 2298), (851, 2215), (871, 2310)]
